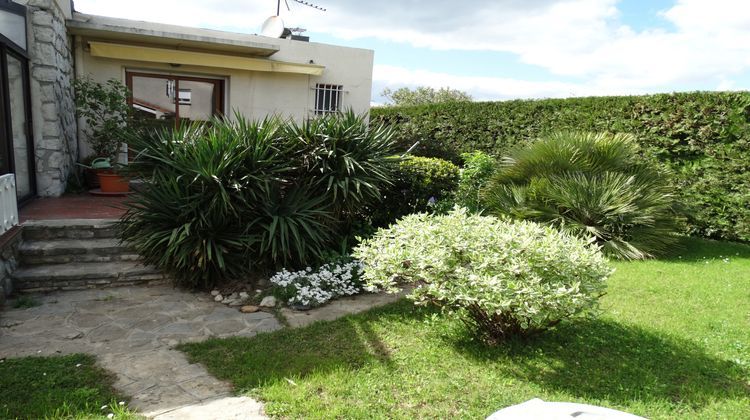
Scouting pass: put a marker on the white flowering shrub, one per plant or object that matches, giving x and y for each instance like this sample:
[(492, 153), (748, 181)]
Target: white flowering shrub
[(310, 288), (502, 277)]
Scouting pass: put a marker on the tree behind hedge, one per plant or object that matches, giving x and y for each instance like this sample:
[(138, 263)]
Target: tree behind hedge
[(702, 137)]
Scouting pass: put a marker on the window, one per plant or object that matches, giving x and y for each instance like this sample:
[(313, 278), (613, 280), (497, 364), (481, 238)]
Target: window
[(328, 98), (166, 100)]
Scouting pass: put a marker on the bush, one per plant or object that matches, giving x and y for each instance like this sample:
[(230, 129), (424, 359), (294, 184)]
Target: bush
[(503, 278), (592, 185), (475, 174), (104, 107), (230, 196), (419, 183), (703, 138)]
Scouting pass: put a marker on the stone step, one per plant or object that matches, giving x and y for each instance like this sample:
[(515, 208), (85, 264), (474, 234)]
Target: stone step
[(69, 229), (61, 251), (85, 275)]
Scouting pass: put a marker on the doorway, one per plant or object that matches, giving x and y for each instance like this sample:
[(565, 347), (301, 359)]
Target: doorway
[(16, 141)]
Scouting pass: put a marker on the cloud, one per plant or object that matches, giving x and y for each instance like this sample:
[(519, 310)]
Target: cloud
[(488, 88), (701, 42)]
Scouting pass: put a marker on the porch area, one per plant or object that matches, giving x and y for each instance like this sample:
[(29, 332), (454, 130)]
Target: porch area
[(73, 206)]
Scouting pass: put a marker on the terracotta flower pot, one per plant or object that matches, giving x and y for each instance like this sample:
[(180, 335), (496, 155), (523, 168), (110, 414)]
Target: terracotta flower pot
[(112, 182)]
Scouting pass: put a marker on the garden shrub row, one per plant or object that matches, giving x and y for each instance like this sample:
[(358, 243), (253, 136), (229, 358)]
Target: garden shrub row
[(229, 197), (702, 138)]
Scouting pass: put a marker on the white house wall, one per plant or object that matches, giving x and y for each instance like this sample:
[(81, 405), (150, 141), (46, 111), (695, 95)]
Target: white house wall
[(259, 94)]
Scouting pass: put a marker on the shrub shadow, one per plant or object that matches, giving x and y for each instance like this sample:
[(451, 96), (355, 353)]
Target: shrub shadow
[(605, 360), (690, 250), (348, 343)]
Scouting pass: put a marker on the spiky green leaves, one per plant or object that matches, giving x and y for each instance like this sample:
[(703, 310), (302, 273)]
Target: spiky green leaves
[(231, 195), (594, 185)]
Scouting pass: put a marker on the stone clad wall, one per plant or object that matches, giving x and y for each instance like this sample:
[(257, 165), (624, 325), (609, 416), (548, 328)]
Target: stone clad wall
[(9, 243), (53, 108)]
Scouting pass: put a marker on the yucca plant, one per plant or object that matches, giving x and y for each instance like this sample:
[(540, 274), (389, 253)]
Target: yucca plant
[(194, 217), (233, 195), (347, 160), (595, 185)]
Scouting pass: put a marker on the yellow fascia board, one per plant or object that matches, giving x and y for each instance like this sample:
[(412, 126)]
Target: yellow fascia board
[(194, 58)]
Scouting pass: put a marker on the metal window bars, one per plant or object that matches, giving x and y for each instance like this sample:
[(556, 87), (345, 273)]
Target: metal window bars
[(328, 98)]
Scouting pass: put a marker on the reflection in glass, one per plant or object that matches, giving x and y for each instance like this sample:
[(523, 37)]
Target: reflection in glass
[(153, 100), (18, 123), (196, 100)]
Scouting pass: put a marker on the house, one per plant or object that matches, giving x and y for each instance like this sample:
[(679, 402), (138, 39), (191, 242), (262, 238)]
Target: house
[(175, 73)]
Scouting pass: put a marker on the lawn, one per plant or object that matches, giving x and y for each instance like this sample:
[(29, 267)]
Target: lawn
[(61, 387), (673, 341)]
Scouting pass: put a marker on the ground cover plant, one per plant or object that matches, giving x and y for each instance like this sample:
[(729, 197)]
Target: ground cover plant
[(310, 287), (671, 343), (230, 196), (60, 387), (503, 278), (701, 137), (594, 185)]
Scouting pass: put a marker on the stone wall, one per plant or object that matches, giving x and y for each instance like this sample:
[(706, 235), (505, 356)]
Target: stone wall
[(9, 243), (55, 130)]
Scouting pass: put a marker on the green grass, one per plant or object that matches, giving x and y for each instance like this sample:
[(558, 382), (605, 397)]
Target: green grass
[(673, 341), (60, 387), (25, 302)]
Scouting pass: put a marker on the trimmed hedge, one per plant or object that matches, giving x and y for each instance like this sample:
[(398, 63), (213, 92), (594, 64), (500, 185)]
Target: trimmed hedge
[(416, 180), (701, 137)]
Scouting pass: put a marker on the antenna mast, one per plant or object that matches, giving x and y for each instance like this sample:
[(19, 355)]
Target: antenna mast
[(302, 2)]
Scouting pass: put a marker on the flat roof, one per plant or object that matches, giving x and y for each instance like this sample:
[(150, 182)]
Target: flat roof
[(178, 37)]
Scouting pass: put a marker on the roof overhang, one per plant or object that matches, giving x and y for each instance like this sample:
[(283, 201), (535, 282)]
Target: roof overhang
[(199, 58), (170, 36)]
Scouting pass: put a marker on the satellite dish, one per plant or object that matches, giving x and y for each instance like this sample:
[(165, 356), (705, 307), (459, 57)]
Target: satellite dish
[(273, 27)]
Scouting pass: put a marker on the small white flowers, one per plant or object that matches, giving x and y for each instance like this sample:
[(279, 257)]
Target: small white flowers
[(78, 365), (110, 415), (309, 287)]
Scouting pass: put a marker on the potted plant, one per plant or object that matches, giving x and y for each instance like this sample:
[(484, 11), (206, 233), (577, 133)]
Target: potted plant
[(104, 109)]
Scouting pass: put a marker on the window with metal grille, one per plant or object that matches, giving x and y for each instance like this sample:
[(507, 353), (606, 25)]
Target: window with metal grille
[(328, 98)]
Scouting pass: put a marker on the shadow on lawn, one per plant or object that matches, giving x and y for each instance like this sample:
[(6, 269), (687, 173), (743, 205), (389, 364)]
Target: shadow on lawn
[(605, 360), (348, 343), (689, 249)]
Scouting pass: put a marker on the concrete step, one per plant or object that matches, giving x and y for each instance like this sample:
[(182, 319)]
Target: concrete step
[(84, 275), (61, 251), (69, 229)]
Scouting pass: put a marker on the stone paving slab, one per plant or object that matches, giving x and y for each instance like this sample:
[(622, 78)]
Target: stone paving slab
[(132, 332), (340, 307)]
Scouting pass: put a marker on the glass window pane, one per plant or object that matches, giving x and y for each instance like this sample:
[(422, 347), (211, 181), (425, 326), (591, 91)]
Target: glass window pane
[(18, 125), (13, 27), (197, 100), (154, 100)]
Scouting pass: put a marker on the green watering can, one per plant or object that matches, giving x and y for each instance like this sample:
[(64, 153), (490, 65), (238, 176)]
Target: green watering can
[(101, 163)]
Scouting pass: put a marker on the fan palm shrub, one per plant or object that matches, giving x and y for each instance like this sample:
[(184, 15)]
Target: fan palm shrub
[(595, 185), (233, 195)]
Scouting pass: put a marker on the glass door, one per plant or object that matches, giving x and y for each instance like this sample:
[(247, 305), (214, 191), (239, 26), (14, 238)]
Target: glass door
[(16, 142), (168, 100), (22, 149)]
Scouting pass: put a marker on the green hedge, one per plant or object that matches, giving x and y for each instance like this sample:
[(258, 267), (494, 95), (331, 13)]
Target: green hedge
[(702, 137), (416, 180)]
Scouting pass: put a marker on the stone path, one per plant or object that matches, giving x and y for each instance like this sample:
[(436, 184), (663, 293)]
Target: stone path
[(340, 307), (132, 331)]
